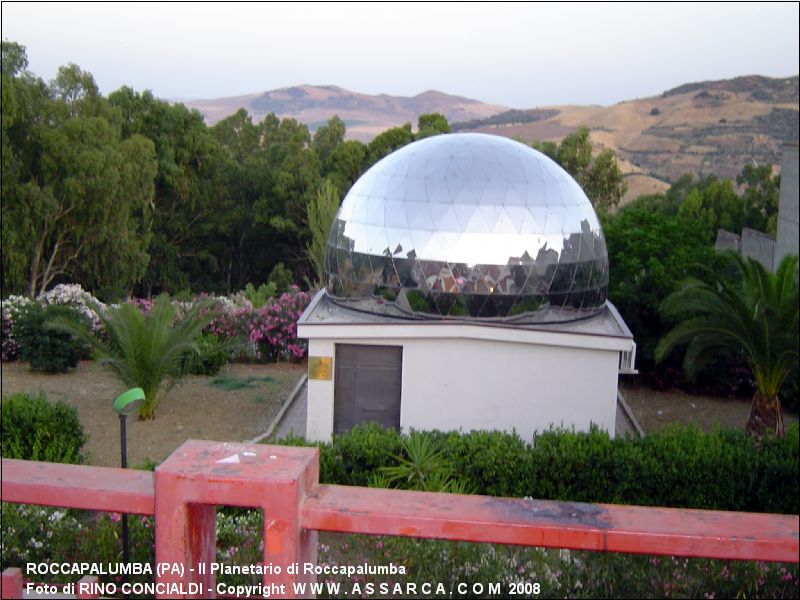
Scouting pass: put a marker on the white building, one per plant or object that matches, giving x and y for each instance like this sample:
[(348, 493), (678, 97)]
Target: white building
[(466, 281)]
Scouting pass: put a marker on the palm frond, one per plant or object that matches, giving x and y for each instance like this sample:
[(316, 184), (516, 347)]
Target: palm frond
[(144, 351), (756, 313)]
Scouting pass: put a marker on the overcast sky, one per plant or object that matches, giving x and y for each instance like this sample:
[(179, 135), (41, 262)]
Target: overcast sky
[(519, 55)]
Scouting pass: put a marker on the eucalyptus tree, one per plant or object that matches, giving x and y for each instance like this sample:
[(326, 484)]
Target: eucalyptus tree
[(76, 196), (599, 176), (190, 193)]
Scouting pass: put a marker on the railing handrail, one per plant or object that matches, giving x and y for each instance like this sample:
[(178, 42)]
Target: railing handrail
[(283, 482), (107, 489), (556, 524), (613, 528)]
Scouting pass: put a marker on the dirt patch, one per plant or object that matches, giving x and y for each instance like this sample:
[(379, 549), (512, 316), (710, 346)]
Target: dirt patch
[(656, 409), (194, 409)]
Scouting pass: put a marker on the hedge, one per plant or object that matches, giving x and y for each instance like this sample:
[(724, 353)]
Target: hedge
[(680, 467)]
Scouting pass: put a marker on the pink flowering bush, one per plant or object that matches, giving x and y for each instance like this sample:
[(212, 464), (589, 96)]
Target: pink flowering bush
[(264, 334), (270, 331), (145, 305)]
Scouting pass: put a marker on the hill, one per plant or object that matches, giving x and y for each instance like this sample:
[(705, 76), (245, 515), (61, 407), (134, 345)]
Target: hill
[(706, 127), (365, 116)]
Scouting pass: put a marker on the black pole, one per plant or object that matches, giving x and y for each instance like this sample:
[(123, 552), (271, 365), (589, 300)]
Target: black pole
[(126, 557), (123, 434)]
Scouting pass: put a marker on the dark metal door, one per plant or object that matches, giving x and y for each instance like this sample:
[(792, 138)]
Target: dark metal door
[(367, 386)]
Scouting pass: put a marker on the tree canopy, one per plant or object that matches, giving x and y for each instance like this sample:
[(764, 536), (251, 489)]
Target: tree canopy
[(599, 176), (130, 194), (649, 252), (77, 194)]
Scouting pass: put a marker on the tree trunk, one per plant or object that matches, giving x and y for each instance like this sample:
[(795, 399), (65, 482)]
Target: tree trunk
[(765, 417)]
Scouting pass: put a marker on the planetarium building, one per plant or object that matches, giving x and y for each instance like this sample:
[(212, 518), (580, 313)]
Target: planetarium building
[(466, 279)]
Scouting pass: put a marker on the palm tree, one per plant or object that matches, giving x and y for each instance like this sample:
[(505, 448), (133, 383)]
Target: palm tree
[(755, 315), (144, 350)]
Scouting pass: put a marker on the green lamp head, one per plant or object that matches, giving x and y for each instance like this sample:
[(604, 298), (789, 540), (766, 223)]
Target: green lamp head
[(128, 402)]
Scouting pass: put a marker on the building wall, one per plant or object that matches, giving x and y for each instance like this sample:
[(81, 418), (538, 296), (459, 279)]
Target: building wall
[(319, 419), (758, 246), (788, 222), (486, 384)]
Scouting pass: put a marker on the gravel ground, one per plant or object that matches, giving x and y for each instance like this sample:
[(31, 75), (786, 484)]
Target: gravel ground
[(194, 409), (655, 409)]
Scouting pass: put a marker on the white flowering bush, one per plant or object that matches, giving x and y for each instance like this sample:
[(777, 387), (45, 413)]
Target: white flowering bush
[(74, 295), (30, 532), (13, 308), (222, 303), (559, 573), (13, 305), (240, 300)]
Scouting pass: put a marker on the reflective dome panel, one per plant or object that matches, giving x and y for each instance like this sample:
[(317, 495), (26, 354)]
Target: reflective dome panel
[(468, 225)]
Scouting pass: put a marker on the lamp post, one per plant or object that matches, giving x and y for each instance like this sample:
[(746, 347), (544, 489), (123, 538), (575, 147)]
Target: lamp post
[(126, 404)]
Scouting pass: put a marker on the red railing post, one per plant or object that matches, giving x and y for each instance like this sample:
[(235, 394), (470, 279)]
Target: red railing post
[(200, 475), (12, 583)]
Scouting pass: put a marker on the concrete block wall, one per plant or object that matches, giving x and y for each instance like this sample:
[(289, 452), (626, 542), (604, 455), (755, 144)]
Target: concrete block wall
[(787, 233)]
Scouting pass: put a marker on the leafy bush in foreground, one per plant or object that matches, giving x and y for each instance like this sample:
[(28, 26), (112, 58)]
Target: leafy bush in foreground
[(34, 429)]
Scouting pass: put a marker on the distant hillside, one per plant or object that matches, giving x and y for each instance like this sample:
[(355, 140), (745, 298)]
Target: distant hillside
[(707, 127), (365, 116)]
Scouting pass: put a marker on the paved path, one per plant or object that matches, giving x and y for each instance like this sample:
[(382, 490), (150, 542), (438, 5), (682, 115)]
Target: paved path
[(293, 420)]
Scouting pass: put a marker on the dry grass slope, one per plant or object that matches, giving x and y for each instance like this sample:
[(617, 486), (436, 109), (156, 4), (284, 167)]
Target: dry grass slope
[(707, 127)]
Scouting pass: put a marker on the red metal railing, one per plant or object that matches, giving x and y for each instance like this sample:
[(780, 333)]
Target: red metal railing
[(284, 482)]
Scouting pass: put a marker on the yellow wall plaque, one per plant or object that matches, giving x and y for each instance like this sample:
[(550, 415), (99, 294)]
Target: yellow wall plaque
[(320, 367)]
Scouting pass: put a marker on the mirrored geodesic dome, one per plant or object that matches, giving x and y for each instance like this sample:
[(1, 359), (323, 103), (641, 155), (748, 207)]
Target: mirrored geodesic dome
[(468, 225)]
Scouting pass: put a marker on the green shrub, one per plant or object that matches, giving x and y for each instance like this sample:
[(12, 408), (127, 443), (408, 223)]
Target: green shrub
[(47, 349), (351, 458), (775, 487), (679, 467), (570, 466), (494, 462), (281, 278), (34, 429), (258, 297), (699, 470), (212, 355)]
